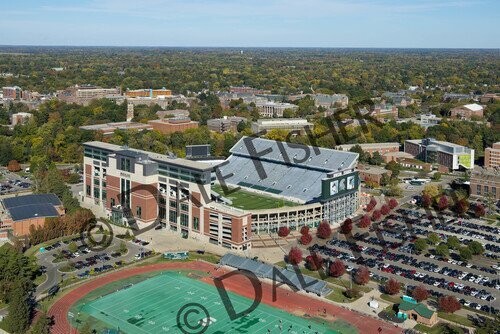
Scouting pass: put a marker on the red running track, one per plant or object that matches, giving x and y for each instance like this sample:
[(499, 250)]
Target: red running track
[(287, 300)]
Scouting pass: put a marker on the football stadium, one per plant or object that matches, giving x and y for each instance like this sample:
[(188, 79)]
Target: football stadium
[(262, 186)]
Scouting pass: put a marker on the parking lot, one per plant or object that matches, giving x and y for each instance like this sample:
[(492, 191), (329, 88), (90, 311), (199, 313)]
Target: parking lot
[(84, 260), (12, 183), (387, 249)]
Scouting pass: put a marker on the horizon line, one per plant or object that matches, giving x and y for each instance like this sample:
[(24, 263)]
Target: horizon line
[(249, 47)]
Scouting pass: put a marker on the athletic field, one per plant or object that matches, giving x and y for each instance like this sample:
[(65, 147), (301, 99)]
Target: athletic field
[(247, 200), (152, 306)]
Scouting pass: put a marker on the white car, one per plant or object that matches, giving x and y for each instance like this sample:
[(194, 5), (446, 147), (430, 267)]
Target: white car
[(349, 268), (478, 307), (76, 254), (467, 303)]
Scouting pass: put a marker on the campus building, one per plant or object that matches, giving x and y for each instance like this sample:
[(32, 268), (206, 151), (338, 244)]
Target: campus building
[(485, 183), (20, 212), (449, 155), (295, 125), (468, 111), (12, 93), (274, 109), (138, 187), (107, 129), (225, 124), (153, 93), (370, 148), (171, 125), (492, 156), (86, 93)]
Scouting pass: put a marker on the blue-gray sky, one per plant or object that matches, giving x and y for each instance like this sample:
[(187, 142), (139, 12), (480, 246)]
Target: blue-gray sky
[(239, 23)]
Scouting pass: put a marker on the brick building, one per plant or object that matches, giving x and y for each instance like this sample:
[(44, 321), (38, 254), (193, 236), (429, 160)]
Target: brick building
[(171, 125), (467, 111), (370, 148), (492, 156), (485, 183)]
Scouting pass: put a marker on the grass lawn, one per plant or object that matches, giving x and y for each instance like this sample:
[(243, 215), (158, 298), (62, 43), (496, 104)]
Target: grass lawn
[(247, 200), (391, 299), (337, 295), (456, 318), (40, 279), (437, 329)]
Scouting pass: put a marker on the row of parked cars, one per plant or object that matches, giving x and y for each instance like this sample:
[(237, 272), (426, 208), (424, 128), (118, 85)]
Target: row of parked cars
[(380, 263)]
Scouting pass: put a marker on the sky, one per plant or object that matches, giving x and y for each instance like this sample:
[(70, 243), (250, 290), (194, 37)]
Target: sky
[(253, 23)]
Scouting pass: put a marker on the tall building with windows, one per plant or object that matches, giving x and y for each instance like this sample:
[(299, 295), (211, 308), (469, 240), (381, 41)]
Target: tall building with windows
[(492, 156), (485, 183), (446, 154)]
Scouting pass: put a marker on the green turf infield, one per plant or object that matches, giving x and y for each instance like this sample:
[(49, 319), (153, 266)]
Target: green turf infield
[(247, 200), (151, 306)]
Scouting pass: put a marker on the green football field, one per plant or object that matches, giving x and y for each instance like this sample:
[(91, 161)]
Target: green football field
[(151, 306), (247, 200)]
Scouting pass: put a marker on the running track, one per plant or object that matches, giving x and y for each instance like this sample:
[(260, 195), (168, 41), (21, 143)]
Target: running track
[(286, 300)]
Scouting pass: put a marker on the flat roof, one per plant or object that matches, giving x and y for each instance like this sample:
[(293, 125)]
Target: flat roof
[(11, 202), (32, 206), (369, 145), (153, 156)]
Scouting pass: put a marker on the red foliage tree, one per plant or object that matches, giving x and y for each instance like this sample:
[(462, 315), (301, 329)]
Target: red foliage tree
[(479, 210), (426, 201), (449, 304), (420, 293), (314, 261), (324, 230), (376, 215), (392, 286), (306, 239), (304, 230), (393, 203), (442, 203), (337, 268), (385, 209), (362, 276), (14, 166), (283, 231), (373, 201), (346, 227), (462, 206), (369, 207), (365, 221), (295, 256)]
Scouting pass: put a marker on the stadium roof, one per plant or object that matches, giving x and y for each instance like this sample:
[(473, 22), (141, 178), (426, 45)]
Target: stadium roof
[(321, 158), (265, 270), (32, 206), (259, 164)]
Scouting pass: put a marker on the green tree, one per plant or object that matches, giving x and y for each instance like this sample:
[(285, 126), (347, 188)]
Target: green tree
[(436, 176), (453, 242), (363, 156), (42, 325), (122, 248), (465, 253), (376, 159), (72, 247), (433, 238), (19, 310), (476, 247), (443, 250), (421, 245)]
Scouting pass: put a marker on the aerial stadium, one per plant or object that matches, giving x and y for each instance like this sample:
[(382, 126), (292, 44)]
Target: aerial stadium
[(261, 186)]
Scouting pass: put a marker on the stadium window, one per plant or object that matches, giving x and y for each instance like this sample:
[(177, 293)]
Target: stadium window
[(184, 207), (138, 211), (88, 190), (172, 216), (173, 204), (486, 190), (112, 202), (478, 189)]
